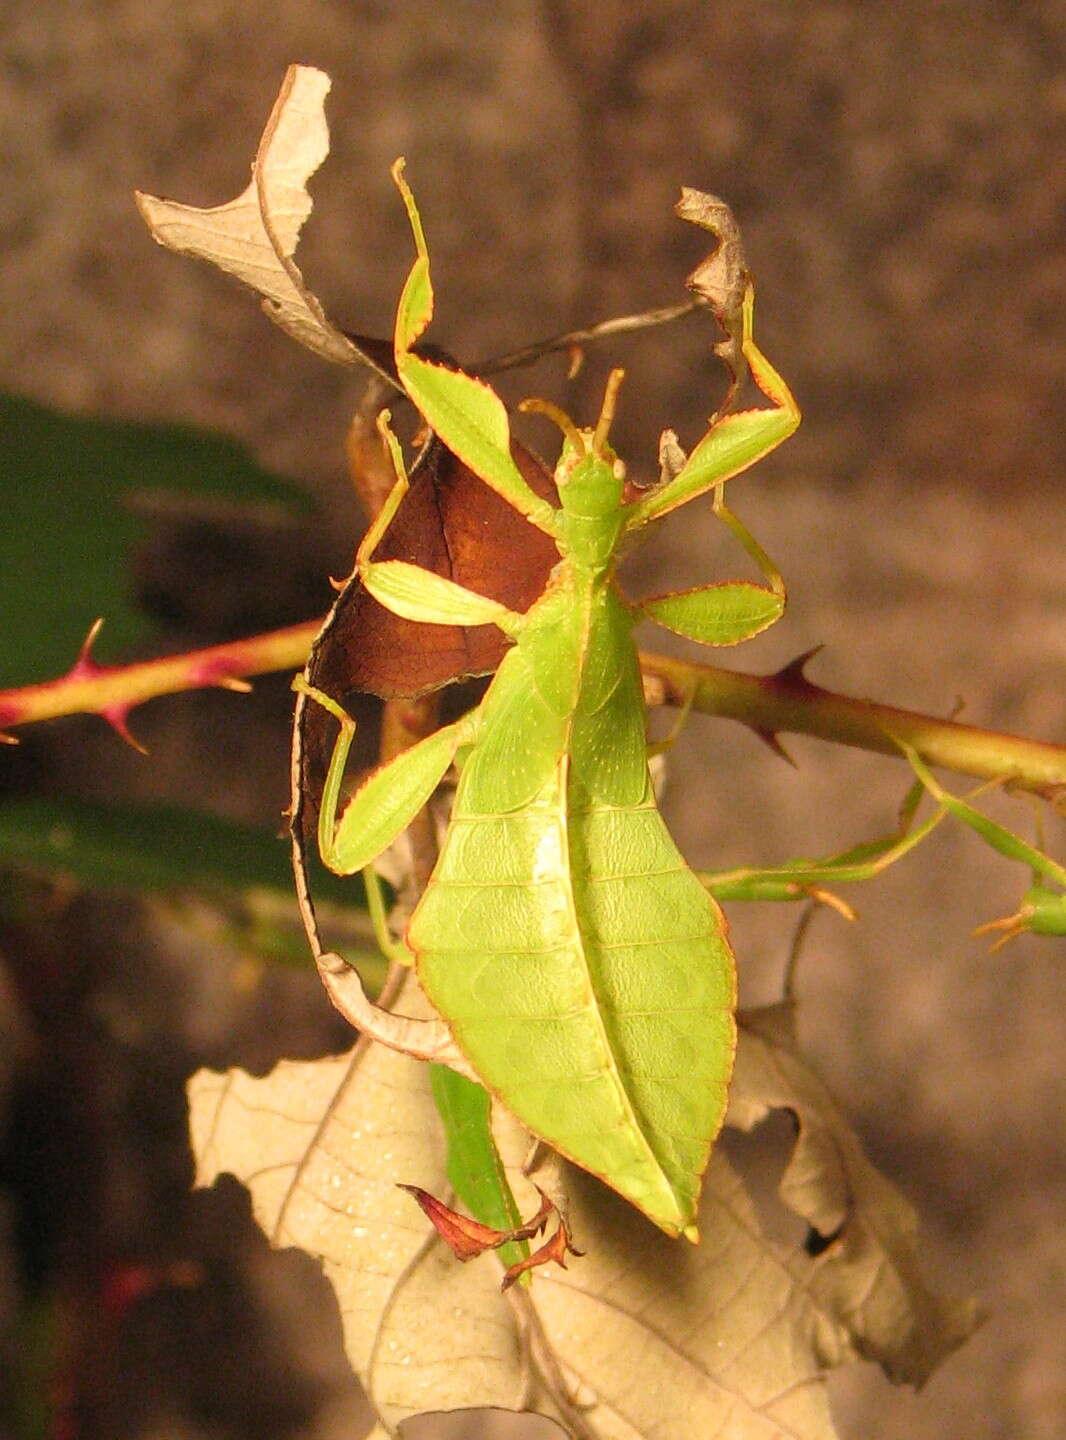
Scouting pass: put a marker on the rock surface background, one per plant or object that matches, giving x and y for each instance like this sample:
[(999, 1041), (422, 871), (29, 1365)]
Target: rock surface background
[(898, 174)]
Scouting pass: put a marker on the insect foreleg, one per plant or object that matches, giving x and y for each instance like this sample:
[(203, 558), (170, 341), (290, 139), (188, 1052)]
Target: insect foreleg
[(724, 614), (417, 594), (733, 442), (803, 879), (741, 532), (466, 413), (388, 800)]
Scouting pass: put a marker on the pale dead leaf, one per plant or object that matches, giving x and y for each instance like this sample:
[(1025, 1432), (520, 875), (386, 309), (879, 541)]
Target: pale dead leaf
[(722, 278), (255, 236), (321, 1146), (644, 1338), (660, 1340), (867, 1278)]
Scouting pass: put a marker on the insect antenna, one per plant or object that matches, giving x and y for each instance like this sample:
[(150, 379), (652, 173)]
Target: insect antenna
[(603, 424), (559, 417)]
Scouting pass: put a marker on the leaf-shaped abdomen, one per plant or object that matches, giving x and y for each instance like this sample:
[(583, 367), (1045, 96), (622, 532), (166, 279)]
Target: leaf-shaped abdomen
[(585, 974)]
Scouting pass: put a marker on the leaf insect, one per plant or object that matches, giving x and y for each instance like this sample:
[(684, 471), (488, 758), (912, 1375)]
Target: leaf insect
[(1042, 910), (581, 971)]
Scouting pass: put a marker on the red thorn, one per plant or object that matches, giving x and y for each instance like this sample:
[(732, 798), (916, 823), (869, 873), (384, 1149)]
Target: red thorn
[(771, 738), (793, 672), (115, 715), (6, 739), (85, 664)]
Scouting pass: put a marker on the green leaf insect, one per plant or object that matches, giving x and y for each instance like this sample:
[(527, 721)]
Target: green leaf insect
[(581, 970), (1042, 910), (806, 880)]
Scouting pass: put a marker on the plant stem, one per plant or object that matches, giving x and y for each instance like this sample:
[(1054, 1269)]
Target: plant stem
[(788, 701), (91, 689), (768, 704)]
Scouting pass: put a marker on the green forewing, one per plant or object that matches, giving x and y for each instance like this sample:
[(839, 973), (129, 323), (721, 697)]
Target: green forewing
[(717, 614), (519, 744), (608, 743), (585, 974)]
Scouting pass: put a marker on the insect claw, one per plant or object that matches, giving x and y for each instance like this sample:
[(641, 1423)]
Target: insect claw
[(832, 901), (1011, 925)]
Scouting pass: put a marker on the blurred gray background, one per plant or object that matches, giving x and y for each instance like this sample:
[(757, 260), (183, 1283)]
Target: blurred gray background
[(898, 172)]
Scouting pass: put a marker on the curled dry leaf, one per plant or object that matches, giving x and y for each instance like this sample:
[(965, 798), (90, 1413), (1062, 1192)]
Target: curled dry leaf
[(467, 1238), (553, 1252), (464, 1236), (867, 1277), (722, 279), (255, 236), (645, 1338)]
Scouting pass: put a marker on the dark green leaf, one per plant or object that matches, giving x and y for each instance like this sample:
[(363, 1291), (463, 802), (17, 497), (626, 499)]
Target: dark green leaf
[(153, 847), (66, 487)]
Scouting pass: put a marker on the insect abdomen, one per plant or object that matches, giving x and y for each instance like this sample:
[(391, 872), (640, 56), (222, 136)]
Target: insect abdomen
[(586, 976)]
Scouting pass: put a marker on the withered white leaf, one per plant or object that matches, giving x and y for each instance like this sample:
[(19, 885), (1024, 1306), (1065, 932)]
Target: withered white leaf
[(721, 279), (867, 1278), (255, 236), (321, 1146), (644, 1338), (654, 1339)]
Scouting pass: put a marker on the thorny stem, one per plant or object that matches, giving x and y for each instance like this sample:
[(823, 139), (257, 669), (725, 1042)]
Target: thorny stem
[(788, 701), (93, 689), (769, 704)]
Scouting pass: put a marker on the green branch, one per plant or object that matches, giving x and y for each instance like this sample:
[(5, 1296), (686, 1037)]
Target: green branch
[(788, 702), (768, 704)]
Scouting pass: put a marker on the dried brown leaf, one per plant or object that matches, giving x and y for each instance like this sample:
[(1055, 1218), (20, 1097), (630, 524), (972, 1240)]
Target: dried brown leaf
[(722, 278), (867, 1280), (644, 1338), (464, 1236), (254, 237)]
